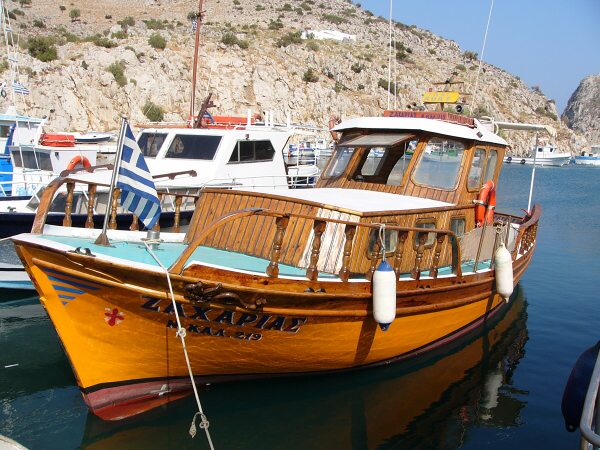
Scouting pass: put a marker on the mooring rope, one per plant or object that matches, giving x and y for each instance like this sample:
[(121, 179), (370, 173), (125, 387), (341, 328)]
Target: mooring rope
[(382, 240), (204, 423)]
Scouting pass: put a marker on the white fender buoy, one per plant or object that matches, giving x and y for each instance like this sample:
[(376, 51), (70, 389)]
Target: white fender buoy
[(504, 272), (384, 295)]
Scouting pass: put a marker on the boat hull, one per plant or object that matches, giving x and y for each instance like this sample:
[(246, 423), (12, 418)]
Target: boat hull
[(127, 358), (587, 160), (555, 162)]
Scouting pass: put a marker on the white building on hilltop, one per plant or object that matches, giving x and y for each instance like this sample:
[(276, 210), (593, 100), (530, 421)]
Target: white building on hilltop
[(328, 34)]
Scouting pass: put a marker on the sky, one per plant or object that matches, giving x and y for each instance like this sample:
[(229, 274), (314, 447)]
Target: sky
[(553, 44)]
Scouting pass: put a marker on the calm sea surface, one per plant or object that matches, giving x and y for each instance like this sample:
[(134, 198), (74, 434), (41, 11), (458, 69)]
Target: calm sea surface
[(498, 389)]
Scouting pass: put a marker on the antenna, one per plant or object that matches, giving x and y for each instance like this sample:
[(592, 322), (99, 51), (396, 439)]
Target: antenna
[(199, 16), (481, 57), (395, 73), (390, 59)]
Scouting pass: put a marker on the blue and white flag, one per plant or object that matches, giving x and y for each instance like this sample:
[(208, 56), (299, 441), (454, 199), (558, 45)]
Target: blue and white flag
[(19, 88), (138, 193)]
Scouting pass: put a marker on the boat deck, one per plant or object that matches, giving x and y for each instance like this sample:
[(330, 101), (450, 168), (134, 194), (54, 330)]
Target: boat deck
[(168, 252)]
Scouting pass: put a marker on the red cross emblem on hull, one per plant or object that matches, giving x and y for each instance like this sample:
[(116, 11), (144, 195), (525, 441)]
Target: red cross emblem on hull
[(113, 316)]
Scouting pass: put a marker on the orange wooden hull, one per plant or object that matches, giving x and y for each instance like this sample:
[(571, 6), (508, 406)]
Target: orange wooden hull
[(127, 358)]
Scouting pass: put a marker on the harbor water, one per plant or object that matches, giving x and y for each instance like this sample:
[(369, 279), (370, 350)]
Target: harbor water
[(498, 388)]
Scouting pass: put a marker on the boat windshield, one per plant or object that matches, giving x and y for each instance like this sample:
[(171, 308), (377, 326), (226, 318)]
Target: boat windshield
[(439, 164), (193, 146), (31, 159), (150, 143), (339, 161), (252, 151)]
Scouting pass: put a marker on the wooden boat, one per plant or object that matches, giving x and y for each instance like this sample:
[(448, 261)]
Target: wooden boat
[(276, 283)]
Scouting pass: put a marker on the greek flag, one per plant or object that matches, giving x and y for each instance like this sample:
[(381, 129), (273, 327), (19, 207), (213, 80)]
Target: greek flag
[(19, 88), (138, 193)]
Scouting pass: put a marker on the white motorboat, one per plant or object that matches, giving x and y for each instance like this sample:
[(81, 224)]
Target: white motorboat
[(589, 158), (93, 137), (542, 155)]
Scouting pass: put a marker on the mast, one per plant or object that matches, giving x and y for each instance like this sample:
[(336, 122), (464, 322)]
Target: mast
[(199, 15), (11, 56)]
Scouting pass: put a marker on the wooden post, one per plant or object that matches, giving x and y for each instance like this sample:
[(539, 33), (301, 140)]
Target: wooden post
[(436, 257), (319, 227), (374, 260), (402, 235), (89, 222), (416, 272), (135, 226), (69, 204), (345, 271), (113, 209), (178, 200), (156, 226), (273, 269)]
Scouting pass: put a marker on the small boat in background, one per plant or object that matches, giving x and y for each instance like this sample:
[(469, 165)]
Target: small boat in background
[(93, 137), (591, 158), (542, 155)]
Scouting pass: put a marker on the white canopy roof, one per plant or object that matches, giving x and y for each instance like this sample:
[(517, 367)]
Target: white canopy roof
[(479, 133), (361, 201)]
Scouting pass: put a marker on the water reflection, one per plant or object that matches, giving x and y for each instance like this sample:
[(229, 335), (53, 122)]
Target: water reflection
[(429, 402)]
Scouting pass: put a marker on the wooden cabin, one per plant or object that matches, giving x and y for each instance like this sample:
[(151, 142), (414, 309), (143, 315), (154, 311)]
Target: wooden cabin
[(420, 170)]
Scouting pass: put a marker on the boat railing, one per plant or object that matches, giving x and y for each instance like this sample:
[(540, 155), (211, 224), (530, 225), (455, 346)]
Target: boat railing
[(523, 242), (589, 426), (176, 200), (319, 225)]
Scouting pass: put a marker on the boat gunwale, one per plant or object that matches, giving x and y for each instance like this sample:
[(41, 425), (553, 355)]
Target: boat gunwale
[(477, 279)]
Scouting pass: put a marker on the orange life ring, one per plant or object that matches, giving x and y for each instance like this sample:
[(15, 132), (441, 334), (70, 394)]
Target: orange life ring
[(79, 160), (486, 203)]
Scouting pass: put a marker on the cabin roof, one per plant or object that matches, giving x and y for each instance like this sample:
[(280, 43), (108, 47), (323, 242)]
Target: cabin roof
[(479, 133), (361, 201), (16, 117)]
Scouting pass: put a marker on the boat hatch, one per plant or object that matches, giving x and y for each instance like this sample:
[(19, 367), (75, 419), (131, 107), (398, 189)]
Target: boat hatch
[(378, 140)]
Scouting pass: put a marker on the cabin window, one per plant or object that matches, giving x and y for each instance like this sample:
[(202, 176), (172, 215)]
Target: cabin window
[(339, 161), (426, 223), (476, 170), (29, 159), (4, 130), (397, 172), (150, 143), (373, 162), (390, 238), (457, 225), (194, 146), (439, 164), (252, 151), (491, 165)]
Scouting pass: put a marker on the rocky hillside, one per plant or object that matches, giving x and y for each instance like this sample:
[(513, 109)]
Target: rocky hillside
[(582, 113), (89, 62)]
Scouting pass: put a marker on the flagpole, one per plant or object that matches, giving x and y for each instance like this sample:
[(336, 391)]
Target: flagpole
[(103, 238)]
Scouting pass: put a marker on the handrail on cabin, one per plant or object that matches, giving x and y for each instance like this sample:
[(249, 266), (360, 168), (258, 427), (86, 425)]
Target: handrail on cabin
[(318, 227)]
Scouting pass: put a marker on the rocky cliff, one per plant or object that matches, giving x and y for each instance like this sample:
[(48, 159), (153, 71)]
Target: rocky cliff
[(109, 63), (582, 113)]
